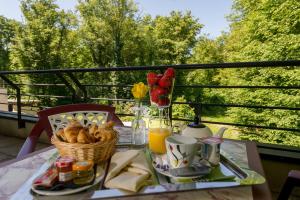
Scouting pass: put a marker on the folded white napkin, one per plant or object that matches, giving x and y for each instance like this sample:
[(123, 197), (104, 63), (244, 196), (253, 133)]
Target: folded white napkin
[(128, 170)]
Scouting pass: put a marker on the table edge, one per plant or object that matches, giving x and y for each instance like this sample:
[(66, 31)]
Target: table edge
[(262, 191)]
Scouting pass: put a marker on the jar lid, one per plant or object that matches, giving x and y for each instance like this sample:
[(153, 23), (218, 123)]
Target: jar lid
[(83, 165), (64, 162)]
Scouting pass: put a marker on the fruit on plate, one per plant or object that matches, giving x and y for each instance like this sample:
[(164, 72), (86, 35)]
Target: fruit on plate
[(161, 87)]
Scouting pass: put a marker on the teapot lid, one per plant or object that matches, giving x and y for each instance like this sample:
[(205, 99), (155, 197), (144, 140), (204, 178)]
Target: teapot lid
[(196, 123)]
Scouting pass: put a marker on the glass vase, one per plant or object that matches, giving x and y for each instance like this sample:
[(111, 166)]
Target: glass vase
[(138, 126)]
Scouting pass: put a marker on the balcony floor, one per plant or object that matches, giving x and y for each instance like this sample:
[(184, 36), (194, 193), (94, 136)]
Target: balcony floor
[(10, 146)]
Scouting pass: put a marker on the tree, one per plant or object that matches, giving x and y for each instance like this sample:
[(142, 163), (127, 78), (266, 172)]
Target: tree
[(107, 25), (175, 36), (264, 30), (7, 33), (42, 42)]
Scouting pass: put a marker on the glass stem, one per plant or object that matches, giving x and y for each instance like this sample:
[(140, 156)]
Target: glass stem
[(160, 114)]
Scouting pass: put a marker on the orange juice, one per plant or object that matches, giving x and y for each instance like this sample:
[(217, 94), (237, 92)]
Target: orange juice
[(157, 138)]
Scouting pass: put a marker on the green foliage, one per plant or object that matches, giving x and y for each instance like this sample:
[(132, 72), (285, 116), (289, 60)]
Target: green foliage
[(175, 36), (265, 30), (182, 110), (7, 33)]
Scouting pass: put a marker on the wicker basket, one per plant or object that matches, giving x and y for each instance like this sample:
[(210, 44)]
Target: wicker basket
[(97, 152)]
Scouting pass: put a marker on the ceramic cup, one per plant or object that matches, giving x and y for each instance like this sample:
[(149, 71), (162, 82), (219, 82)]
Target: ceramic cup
[(180, 150)]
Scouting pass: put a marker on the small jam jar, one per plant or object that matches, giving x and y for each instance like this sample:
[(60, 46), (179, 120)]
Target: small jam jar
[(83, 172), (64, 169)]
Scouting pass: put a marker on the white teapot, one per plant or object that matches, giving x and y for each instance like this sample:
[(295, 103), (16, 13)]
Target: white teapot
[(198, 130)]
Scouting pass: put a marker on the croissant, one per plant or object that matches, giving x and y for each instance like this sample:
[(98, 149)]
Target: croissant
[(71, 134), (74, 124), (92, 129), (61, 135), (84, 136), (107, 125)]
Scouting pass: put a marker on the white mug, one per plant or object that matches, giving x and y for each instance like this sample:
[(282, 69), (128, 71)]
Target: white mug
[(180, 150)]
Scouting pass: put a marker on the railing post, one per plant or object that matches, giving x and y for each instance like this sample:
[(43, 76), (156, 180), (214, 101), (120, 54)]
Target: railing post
[(79, 85), (21, 123), (68, 85)]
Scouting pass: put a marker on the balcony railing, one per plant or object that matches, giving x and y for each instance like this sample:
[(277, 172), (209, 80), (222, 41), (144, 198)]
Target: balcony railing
[(79, 90)]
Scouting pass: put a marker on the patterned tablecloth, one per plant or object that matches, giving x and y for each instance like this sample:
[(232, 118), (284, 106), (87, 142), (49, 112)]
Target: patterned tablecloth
[(14, 175)]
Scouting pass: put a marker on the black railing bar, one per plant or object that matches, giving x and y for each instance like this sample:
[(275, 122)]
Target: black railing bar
[(21, 123), (124, 114), (210, 104), (176, 86), (68, 85), (185, 103), (108, 99), (41, 84), (261, 64), (239, 106), (45, 95), (203, 86), (237, 86), (231, 124), (241, 125)]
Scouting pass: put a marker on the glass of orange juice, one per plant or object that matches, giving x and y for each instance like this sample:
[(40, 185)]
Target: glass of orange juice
[(159, 129)]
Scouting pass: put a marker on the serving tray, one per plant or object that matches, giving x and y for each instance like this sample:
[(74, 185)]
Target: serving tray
[(236, 176), (230, 166)]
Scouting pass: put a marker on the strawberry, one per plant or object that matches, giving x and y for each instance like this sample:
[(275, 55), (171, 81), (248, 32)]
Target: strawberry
[(153, 96), (159, 76), (161, 91), (165, 82), (157, 93), (163, 101), (152, 78), (170, 72)]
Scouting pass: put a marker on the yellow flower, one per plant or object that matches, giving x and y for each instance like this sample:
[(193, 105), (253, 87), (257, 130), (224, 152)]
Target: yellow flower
[(139, 90)]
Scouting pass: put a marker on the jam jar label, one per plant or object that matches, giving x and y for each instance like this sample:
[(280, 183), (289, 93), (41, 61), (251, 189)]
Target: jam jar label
[(65, 176)]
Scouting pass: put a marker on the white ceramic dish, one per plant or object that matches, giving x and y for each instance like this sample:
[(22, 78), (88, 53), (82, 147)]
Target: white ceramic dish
[(166, 172), (99, 177)]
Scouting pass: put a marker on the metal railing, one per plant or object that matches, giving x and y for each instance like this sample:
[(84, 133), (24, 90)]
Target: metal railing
[(71, 83)]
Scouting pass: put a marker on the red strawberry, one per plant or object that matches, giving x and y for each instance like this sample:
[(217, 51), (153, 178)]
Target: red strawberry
[(152, 78), (165, 82), (157, 93), (163, 101), (170, 72), (159, 76), (161, 91), (154, 96)]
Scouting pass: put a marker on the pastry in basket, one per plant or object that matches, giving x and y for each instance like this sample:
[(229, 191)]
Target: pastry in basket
[(72, 130), (105, 132), (61, 135), (85, 137)]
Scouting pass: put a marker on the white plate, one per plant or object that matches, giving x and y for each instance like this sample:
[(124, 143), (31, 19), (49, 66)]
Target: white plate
[(99, 176), (167, 173)]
